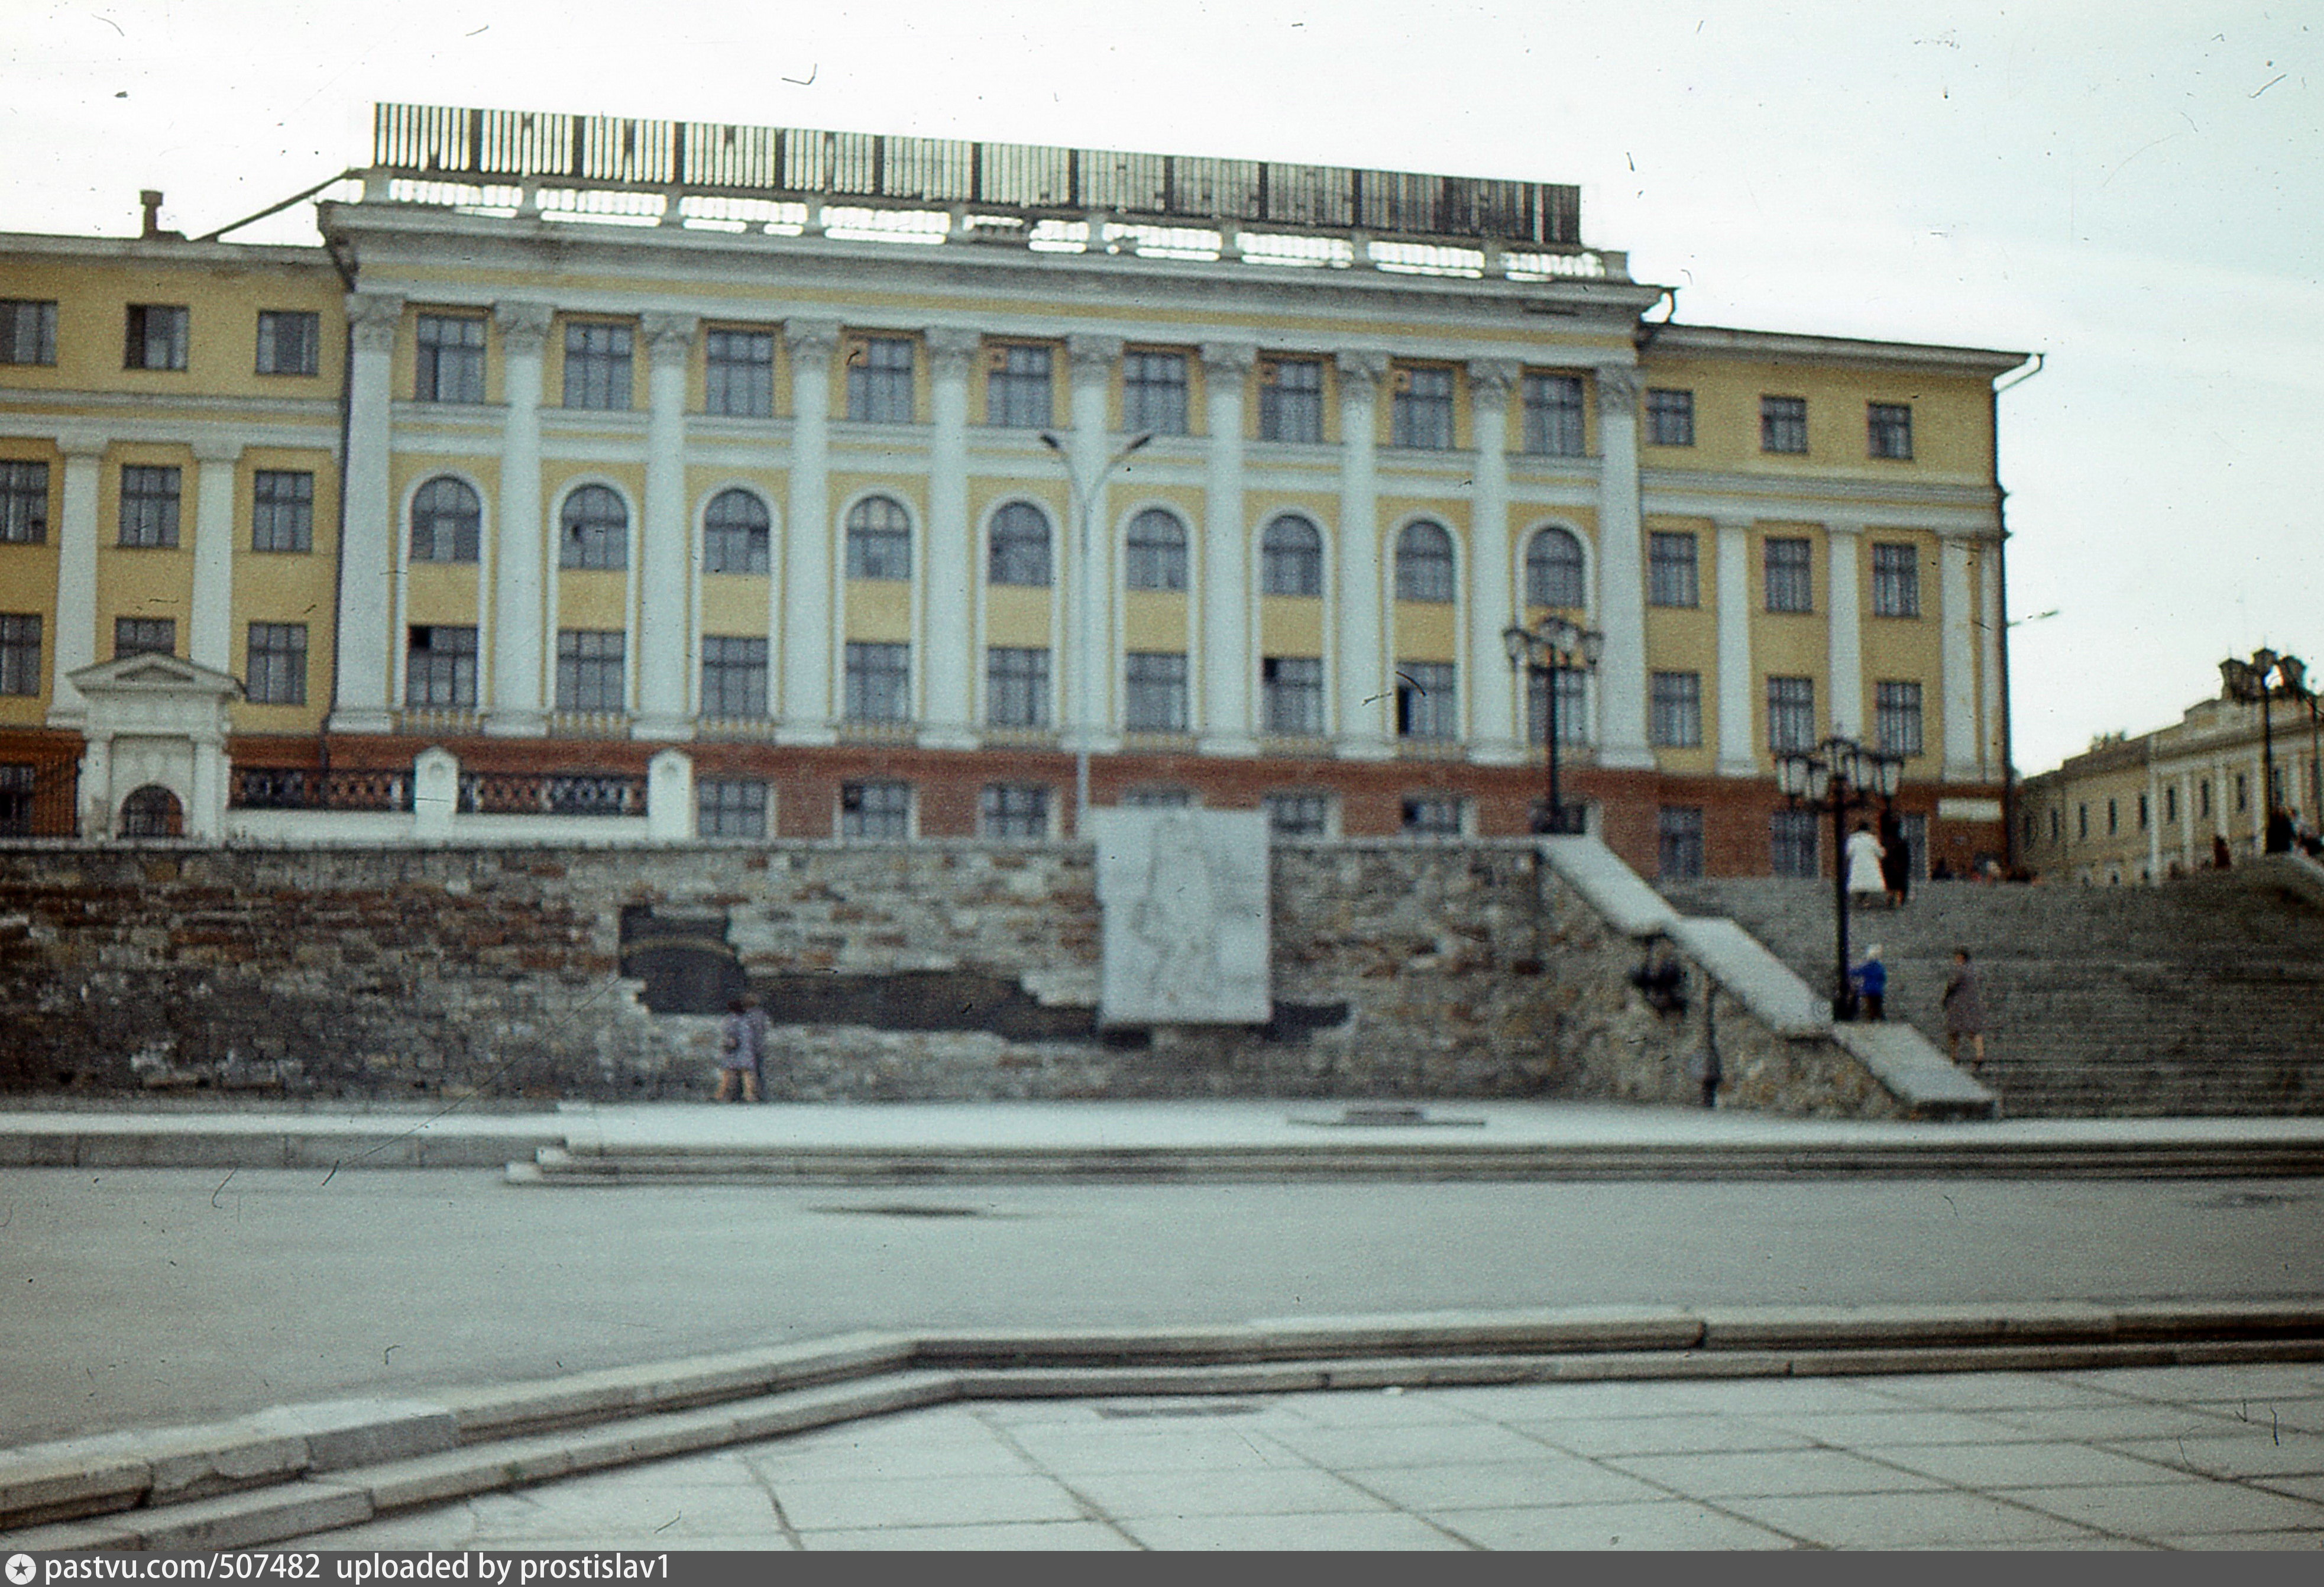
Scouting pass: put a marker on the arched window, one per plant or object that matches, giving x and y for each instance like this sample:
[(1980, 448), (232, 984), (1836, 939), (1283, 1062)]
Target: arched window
[(1020, 546), (446, 517), (1291, 557), (595, 530), (152, 811), (1424, 563), (1156, 556), (879, 539), (1554, 570), (735, 533)]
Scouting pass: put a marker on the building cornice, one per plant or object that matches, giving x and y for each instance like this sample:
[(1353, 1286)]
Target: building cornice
[(1711, 341)]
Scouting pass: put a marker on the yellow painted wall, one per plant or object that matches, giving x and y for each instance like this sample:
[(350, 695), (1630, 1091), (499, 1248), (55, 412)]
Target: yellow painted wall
[(1017, 616), (592, 598), (1290, 625), (28, 579), (144, 582), (1951, 437), (443, 592), (287, 586), (1907, 648), (879, 610), (1155, 620), (734, 603)]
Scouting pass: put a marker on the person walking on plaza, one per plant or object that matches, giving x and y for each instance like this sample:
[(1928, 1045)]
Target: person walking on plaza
[(1869, 980), (1863, 878), (1964, 1007), (738, 1058), (1895, 855), (755, 1017)]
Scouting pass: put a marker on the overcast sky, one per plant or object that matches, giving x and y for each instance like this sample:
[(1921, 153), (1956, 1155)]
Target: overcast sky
[(2134, 191)]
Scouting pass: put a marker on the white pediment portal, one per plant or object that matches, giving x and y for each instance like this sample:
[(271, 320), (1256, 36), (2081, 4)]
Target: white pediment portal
[(154, 725)]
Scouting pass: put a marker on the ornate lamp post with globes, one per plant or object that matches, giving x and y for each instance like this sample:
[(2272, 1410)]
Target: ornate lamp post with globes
[(1838, 775), (1562, 647), (2258, 680)]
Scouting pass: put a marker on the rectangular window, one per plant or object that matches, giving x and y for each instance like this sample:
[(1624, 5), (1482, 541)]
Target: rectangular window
[(2082, 822), (733, 678), (1678, 833), (1671, 579), (1792, 843), (1573, 705), (1299, 815), (589, 669), (1013, 810), (1784, 424), (19, 781), (1016, 686), (1888, 427), (879, 682), (1432, 815), (2113, 818), (1155, 700), (23, 503), (1897, 718), (2171, 804), (2203, 796), (1791, 576), (1895, 581), (1790, 713), (1291, 400), (1675, 718), (149, 636), (2142, 813), (440, 668), (1426, 706), (1017, 388), (451, 359), (728, 807), (277, 672), (875, 811), (1552, 415), (739, 374), (1916, 846), (1421, 413), (1154, 393), (290, 341), (28, 331), (879, 381), (149, 507), (281, 511), (155, 336), (1670, 418), (20, 653), (1292, 688), (597, 365)]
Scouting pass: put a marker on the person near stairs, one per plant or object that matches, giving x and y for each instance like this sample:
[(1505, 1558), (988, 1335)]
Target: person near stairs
[(1895, 855), (1864, 854), (1964, 1007), (1870, 982), (738, 1056)]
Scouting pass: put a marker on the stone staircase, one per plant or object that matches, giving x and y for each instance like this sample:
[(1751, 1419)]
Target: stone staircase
[(2205, 995)]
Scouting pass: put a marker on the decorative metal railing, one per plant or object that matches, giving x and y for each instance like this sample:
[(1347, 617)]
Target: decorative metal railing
[(535, 793), (270, 788)]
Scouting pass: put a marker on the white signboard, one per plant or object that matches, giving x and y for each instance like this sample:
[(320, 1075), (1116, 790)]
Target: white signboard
[(1183, 894)]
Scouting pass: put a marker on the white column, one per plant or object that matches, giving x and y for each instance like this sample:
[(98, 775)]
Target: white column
[(807, 591), (517, 704), (1094, 664), (2154, 826), (1361, 669), (1496, 733), (96, 786), (1621, 573), (365, 649), (1960, 619), (664, 562), (209, 636), (1738, 755), (1993, 635), (1228, 665), (952, 665), (74, 644), (1846, 659)]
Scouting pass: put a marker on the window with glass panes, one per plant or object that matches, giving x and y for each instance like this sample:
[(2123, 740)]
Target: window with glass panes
[(1424, 563), (1792, 843), (1896, 717), (1291, 400), (1573, 705), (1013, 810), (450, 358), (1421, 412), (1431, 816), (589, 669), (1670, 417), (154, 636), (1020, 551), (1154, 557), (1783, 424), (595, 530), (1017, 685), (1895, 581), (290, 341), (730, 808), (281, 511), (597, 359), (1790, 713), (1674, 713), (439, 666), (18, 781), (878, 685), (1678, 834), (1790, 576), (154, 336), (879, 381), (1299, 815), (20, 653), (447, 516), (733, 676), (1671, 579), (277, 672), (1291, 557), (1154, 393), (1291, 690), (736, 529), (23, 503), (875, 811), (1153, 797), (1426, 703), (1154, 698), (1554, 570), (1552, 415), (879, 539), (1889, 429), (738, 369), (1017, 388), (149, 506), (28, 331)]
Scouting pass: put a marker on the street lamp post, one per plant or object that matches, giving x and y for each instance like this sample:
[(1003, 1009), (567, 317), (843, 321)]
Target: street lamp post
[(1838, 775), (2257, 679), (1085, 602), (1564, 647)]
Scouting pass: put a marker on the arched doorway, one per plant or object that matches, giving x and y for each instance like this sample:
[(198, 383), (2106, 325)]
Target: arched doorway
[(152, 811)]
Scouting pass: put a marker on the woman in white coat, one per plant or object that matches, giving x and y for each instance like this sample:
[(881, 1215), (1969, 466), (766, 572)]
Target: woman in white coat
[(1863, 856)]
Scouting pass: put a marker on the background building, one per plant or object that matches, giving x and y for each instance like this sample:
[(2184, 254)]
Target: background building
[(893, 484)]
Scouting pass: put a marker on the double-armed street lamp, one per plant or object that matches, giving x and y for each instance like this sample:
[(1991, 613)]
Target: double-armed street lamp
[(2259, 678), (1561, 647), (1083, 604), (1838, 775)]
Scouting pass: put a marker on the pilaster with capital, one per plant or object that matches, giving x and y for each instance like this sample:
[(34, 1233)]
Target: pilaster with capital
[(810, 595), (366, 530), (1993, 635), (1622, 572), (76, 635), (517, 704), (1227, 662), (1845, 591), (953, 578), (1958, 612), (209, 635), (1496, 737), (664, 562), (1738, 753), (1093, 664), (1361, 673)]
